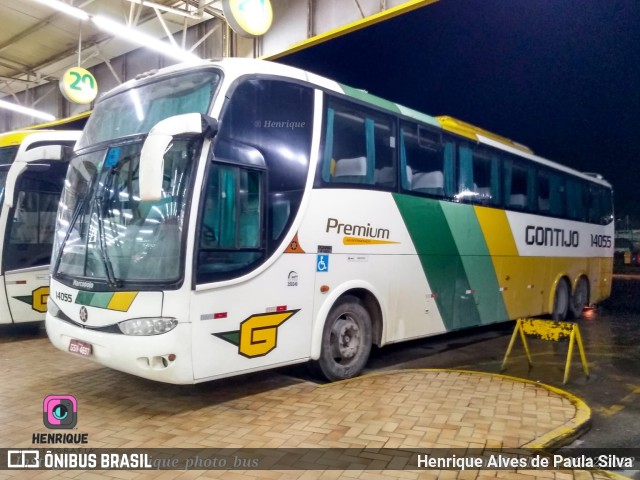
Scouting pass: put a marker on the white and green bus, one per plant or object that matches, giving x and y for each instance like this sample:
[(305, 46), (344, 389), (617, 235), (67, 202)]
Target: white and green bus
[(33, 167), (239, 215)]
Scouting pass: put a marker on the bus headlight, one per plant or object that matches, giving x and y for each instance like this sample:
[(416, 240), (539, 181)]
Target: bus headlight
[(147, 326)]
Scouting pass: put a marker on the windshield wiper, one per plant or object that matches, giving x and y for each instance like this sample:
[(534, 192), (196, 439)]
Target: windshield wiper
[(74, 218), (108, 266)]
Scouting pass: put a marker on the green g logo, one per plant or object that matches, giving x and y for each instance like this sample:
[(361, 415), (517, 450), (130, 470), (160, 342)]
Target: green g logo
[(258, 334)]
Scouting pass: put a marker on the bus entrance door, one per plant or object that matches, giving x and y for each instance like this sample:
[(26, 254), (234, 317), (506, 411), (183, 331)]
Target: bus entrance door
[(28, 240)]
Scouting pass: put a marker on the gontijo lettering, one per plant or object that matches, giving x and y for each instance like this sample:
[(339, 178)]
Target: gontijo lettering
[(551, 237)]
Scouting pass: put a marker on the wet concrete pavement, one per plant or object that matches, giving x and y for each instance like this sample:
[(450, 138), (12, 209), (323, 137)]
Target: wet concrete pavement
[(611, 336)]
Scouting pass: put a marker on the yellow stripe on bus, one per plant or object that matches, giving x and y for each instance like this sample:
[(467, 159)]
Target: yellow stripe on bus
[(121, 301), (529, 283), (519, 277), (365, 241), (13, 138), (496, 231)]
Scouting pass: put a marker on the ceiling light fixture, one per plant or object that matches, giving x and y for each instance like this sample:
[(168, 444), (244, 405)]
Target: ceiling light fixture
[(65, 8), (136, 36), (124, 32), (175, 11), (26, 111)]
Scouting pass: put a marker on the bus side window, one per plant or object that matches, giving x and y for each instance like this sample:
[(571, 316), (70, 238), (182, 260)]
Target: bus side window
[(576, 200), (422, 160), (230, 226), (478, 175), (275, 119), (544, 193), (359, 146), (600, 205), (557, 194), (519, 185)]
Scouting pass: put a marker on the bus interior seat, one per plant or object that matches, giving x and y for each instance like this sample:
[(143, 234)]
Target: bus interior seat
[(484, 193), (428, 182), (350, 170), (543, 204), (385, 176), (518, 200), (409, 175)]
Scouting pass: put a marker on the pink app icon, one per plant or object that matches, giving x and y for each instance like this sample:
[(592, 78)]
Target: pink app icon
[(60, 411)]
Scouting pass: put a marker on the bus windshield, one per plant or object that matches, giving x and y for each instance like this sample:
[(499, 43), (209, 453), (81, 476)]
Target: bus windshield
[(138, 109), (7, 155), (114, 238), (3, 180), (106, 234)]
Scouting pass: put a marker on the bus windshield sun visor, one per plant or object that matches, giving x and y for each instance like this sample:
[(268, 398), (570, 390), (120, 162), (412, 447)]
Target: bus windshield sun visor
[(157, 143)]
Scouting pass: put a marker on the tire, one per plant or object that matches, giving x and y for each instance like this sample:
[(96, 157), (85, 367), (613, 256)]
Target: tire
[(579, 299), (561, 301), (346, 340)]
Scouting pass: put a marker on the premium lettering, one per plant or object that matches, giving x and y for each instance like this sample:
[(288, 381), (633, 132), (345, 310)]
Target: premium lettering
[(356, 230)]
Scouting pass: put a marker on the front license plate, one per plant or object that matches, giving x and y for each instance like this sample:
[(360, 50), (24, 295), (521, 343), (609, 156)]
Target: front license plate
[(80, 348)]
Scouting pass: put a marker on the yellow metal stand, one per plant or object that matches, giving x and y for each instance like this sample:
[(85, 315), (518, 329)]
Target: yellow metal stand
[(551, 331)]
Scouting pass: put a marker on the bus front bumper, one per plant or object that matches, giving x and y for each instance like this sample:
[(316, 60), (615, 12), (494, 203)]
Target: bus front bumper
[(164, 358)]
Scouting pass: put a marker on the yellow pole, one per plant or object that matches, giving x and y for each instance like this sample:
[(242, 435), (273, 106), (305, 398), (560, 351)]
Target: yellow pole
[(583, 357), (567, 367), (511, 342), (526, 347)]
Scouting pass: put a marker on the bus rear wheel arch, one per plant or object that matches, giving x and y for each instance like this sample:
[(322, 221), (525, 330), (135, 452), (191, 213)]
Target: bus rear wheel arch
[(347, 337)]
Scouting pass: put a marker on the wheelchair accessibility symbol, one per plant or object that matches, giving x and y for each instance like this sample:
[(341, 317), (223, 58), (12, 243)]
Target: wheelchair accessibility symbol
[(322, 264)]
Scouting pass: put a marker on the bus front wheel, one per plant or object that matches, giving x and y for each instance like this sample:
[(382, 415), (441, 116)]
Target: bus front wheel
[(561, 301), (346, 340)]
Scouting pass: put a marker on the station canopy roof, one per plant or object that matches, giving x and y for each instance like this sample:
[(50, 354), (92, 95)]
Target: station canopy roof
[(38, 42)]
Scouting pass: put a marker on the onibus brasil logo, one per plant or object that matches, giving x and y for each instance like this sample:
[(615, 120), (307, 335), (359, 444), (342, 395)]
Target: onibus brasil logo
[(258, 334)]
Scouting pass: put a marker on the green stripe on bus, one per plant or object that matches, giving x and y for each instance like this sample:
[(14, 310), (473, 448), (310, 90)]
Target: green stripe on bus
[(440, 259), (423, 117), (477, 261), (94, 299), (387, 105), (372, 99)]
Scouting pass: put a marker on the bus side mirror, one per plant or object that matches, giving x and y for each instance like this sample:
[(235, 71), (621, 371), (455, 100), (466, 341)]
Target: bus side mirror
[(157, 143)]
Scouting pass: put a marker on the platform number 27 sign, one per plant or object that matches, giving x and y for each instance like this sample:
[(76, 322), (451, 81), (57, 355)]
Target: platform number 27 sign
[(79, 85)]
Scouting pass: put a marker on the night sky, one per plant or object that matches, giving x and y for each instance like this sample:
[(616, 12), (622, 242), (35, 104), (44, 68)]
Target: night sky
[(560, 76)]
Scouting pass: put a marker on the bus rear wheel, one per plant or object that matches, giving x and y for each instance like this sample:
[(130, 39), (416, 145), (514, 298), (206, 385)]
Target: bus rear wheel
[(561, 301), (579, 299), (346, 340)]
